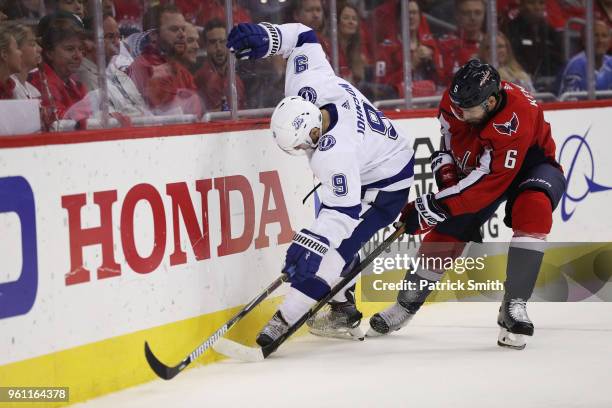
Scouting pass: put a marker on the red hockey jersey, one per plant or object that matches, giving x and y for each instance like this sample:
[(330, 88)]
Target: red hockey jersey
[(490, 157)]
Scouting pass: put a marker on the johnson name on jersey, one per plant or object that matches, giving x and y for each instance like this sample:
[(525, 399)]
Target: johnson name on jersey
[(361, 149)]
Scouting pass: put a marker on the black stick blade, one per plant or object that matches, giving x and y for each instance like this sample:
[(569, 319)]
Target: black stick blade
[(162, 370)]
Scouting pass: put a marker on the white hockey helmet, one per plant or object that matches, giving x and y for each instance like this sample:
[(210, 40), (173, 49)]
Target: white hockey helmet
[(292, 121)]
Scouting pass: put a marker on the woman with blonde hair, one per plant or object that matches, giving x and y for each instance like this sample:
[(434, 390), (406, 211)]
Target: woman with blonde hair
[(30, 59), (508, 67), (10, 62)]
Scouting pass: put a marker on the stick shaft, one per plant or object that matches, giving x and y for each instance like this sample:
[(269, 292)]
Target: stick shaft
[(337, 288)]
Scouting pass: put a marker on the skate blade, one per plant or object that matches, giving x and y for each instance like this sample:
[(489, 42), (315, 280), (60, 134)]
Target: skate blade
[(511, 340), (349, 334), (373, 333)]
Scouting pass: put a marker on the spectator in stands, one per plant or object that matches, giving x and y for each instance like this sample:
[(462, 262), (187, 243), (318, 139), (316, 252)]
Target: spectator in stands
[(574, 76), (10, 62), (457, 49), (88, 72), (30, 59), (213, 79), (536, 45), (108, 7), (167, 86), (603, 11), (386, 22), (425, 59), (72, 6), (124, 100), (353, 55), (508, 67), (310, 13), (23, 9), (62, 44), (130, 48), (190, 57)]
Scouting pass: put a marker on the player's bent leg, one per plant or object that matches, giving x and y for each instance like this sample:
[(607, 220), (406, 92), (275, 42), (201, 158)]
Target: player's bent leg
[(531, 222), (340, 321), (340, 318), (419, 282), (301, 297)]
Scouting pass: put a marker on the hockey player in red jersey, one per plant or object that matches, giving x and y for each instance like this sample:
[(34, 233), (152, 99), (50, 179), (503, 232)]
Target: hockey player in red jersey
[(496, 147)]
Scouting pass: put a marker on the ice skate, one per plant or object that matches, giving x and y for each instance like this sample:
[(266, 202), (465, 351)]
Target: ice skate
[(276, 327), (514, 324), (337, 319), (389, 320), (401, 312)]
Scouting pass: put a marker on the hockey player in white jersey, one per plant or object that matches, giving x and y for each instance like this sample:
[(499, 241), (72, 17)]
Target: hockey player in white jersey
[(365, 167)]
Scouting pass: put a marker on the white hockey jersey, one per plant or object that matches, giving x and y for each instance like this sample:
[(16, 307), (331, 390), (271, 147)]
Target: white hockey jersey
[(361, 150)]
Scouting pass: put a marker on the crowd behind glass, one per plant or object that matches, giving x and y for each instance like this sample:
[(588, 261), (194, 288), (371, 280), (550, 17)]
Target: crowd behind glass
[(132, 62)]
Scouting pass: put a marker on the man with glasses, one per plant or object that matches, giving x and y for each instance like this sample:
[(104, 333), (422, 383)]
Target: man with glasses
[(123, 98), (88, 72)]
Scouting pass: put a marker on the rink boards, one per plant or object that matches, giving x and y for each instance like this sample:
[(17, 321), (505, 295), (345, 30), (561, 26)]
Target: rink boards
[(108, 243)]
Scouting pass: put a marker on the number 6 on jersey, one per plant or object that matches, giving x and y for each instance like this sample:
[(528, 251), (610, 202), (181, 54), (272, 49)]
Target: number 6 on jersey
[(510, 161)]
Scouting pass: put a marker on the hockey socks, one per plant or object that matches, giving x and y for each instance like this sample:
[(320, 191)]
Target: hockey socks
[(524, 260), (421, 281), (409, 301)]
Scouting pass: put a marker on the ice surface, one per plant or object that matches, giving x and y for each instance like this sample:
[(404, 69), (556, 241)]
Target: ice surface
[(446, 357)]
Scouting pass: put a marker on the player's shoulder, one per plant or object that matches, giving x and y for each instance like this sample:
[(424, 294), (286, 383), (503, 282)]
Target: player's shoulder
[(516, 117), (333, 152), (445, 104), (340, 141), (519, 99), (316, 89)]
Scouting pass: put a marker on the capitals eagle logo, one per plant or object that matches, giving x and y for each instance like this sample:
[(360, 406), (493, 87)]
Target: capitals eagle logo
[(509, 127)]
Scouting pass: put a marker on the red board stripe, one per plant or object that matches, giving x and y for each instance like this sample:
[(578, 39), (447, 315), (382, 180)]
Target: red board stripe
[(88, 136)]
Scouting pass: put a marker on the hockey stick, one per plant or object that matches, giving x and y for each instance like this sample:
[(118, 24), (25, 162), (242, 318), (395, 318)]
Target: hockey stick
[(239, 351), (311, 192), (167, 372)]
